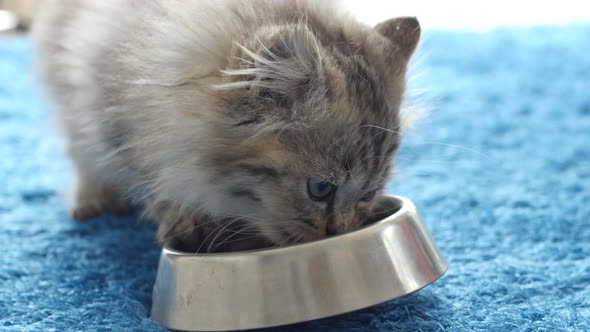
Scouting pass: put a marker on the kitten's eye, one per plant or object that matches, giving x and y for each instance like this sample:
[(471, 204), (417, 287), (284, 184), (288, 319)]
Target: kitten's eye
[(369, 196), (319, 190)]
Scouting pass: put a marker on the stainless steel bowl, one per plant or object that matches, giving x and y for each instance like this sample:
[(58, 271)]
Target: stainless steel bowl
[(389, 258)]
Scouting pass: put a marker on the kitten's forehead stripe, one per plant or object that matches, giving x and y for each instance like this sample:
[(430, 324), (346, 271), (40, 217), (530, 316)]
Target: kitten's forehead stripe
[(365, 87), (363, 157), (382, 139), (366, 95), (257, 170), (242, 192)]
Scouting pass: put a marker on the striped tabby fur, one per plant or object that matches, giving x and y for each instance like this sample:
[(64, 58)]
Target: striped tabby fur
[(214, 114)]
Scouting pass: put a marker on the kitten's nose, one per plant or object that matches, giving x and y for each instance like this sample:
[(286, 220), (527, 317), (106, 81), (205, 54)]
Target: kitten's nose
[(342, 223)]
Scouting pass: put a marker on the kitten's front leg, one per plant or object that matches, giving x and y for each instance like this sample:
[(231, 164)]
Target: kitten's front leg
[(92, 197)]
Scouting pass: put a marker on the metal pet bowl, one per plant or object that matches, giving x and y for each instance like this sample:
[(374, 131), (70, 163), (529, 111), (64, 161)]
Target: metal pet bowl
[(389, 258)]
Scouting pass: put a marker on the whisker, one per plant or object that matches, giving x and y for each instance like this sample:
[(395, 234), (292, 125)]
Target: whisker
[(207, 238), (381, 128), (462, 147), (221, 232), (192, 229), (214, 249)]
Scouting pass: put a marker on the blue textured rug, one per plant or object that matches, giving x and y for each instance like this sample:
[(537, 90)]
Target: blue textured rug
[(500, 171)]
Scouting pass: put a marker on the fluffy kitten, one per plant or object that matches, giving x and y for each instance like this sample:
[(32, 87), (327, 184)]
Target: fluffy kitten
[(237, 123)]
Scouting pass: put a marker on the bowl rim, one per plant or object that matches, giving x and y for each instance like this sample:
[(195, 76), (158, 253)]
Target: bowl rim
[(405, 206)]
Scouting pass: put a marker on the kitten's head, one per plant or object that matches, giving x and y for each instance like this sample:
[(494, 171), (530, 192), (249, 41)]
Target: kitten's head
[(311, 126)]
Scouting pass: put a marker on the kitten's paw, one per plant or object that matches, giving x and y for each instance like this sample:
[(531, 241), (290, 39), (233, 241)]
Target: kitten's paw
[(119, 209), (85, 212), (91, 201)]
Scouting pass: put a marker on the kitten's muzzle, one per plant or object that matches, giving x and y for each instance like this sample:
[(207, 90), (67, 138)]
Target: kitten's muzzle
[(341, 223), (305, 233)]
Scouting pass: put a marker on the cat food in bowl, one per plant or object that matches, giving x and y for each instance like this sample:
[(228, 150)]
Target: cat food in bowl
[(389, 258)]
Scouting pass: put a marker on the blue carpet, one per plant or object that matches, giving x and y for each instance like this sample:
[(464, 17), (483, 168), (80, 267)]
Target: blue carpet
[(500, 172)]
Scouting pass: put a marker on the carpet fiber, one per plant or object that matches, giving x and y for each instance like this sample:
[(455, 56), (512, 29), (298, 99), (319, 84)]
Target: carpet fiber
[(500, 172)]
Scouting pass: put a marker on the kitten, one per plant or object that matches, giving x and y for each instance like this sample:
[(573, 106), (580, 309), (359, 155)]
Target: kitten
[(238, 124)]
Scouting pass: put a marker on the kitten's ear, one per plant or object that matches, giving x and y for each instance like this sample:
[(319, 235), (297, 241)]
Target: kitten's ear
[(281, 68), (403, 32)]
